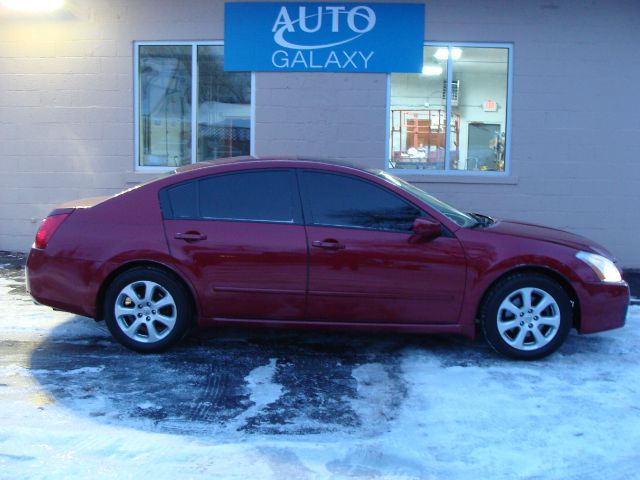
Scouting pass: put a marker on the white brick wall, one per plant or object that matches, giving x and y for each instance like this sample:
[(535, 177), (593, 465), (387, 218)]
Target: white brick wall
[(66, 109), (321, 115)]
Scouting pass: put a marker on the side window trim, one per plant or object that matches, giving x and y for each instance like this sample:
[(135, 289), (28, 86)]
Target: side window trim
[(307, 211), (165, 205)]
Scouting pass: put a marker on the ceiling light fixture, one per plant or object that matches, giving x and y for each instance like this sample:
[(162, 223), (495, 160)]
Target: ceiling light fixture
[(32, 6), (431, 70), (443, 53)]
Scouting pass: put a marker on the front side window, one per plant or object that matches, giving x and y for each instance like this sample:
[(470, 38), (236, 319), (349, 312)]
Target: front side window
[(340, 200), (188, 108), (458, 217), (453, 117)]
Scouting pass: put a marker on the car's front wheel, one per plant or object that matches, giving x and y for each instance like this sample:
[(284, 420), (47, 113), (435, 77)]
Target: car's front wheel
[(147, 310), (526, 316)]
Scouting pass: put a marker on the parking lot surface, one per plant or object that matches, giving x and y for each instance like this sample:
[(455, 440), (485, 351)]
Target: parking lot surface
[(234, 403)]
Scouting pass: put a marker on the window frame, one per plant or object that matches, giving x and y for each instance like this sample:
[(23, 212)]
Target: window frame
[(447, 172), (194, 102)]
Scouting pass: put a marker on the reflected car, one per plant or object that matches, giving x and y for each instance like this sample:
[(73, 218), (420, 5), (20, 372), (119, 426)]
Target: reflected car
[(316, 244)]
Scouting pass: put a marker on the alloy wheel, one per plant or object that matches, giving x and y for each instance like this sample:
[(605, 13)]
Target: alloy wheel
[(145, 311), (528, 318)]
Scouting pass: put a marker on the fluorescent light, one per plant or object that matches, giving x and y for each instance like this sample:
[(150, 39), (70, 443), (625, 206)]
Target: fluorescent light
[(443, 53), (32, 6), (431, 70)]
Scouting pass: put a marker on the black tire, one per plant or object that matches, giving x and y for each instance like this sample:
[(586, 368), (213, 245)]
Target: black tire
[(150, 330), (526, 331)]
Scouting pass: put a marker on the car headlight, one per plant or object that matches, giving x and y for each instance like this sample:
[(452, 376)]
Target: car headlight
[(604, 268)]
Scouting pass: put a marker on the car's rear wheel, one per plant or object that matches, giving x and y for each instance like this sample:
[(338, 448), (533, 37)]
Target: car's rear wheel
[(147, 310), (526, 316)]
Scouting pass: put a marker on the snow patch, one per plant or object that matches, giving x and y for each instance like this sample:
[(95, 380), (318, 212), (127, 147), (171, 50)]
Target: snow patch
[(22, 319), (14, 371), (262, 392), (376, 395), (80, 371), (260, 383), (378, 461)]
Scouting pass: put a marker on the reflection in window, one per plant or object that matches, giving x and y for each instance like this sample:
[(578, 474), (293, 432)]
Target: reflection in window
[(475, 128), (345, 201), (224, 107), (165, 105), (167, 95)]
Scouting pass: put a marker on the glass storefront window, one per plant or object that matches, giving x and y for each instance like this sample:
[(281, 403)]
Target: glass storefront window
[(482, 76), (468, 114), (171, 130), (164, 79), (224, 107), (419, 116)]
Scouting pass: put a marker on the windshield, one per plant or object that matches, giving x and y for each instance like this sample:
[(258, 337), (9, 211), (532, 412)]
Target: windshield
[(459, 218)]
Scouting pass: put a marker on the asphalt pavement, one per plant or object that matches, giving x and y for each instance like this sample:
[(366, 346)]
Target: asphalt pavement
[(201, 383), (274, 403)]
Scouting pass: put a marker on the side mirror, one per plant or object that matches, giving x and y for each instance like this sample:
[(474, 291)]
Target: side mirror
[(425, 230)]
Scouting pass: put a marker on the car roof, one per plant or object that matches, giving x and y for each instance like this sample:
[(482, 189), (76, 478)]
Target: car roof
[(212, 164)]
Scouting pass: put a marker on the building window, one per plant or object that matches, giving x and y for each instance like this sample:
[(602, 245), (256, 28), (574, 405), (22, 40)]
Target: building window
[(454, 116), (188, 109)]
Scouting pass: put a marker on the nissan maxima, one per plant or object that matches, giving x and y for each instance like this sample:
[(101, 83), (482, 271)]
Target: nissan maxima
[(290, 243)]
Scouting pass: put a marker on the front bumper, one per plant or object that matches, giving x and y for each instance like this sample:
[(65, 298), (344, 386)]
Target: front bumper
[(603, 306)]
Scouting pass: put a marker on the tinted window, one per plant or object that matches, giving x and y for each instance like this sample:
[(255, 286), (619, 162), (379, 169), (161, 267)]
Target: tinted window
[(260, 195), (347, 201), (184, 200)]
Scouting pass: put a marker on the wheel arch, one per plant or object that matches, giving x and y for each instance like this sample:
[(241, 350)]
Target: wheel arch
[(144, 264), (541, 270)]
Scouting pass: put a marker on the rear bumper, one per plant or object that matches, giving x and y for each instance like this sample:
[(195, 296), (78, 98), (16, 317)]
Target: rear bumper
[(602, 306), (61, 283)]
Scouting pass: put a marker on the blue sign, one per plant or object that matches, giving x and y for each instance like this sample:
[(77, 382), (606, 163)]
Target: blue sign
[(324, 37)]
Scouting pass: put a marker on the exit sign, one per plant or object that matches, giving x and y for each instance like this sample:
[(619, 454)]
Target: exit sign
[(490, 106)]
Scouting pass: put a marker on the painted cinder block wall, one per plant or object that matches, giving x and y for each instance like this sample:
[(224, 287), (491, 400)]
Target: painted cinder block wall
[(66, 109)]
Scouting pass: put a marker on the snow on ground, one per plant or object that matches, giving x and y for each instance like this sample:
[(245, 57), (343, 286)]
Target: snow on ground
[(297, 405)]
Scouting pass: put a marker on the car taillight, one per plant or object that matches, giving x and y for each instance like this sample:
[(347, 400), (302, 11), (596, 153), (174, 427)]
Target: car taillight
[(47, 228)]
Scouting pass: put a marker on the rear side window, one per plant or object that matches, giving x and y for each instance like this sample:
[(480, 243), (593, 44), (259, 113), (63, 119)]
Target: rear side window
[(341, 200), (265, 195), (184, 200)]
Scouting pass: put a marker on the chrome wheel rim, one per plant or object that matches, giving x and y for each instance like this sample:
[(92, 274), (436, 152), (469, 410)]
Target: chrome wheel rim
[(145, 311), (528, 318)]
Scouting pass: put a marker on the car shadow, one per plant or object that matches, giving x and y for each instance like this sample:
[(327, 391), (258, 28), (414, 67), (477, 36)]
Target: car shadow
[(240, 380)]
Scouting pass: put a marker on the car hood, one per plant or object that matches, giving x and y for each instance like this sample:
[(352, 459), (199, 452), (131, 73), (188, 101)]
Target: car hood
[(547, 234)]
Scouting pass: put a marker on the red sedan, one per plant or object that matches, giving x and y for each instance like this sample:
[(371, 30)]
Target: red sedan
[(316, 244)]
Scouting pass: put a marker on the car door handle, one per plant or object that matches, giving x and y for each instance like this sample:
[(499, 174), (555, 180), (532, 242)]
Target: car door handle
[(190, 236), (328, 244)]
